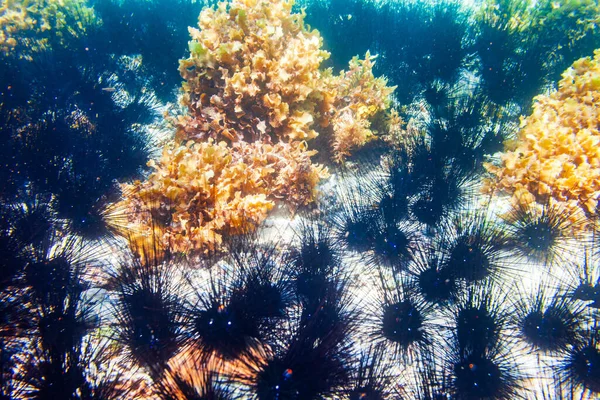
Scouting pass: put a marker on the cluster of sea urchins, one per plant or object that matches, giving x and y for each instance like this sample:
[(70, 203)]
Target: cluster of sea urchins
[(308, 319), (403, 289)]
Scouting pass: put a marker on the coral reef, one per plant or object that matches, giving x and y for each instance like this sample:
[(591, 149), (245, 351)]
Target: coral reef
[(556, 156)]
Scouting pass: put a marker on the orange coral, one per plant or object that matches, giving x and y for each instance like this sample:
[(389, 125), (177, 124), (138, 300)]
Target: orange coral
[(557, 154)]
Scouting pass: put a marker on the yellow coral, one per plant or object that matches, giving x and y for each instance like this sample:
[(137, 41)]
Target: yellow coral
[(557, 153)]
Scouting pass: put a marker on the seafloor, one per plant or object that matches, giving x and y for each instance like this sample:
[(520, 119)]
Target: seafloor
[(320, 199)]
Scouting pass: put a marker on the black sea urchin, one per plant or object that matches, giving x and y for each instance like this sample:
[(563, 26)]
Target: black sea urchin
[(550, 324), (541, 233)]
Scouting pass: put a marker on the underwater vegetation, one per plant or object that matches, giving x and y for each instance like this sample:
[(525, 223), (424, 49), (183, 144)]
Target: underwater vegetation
[(180, 202), (230, 200), (554, 158), (234, 156), (33, 26)]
